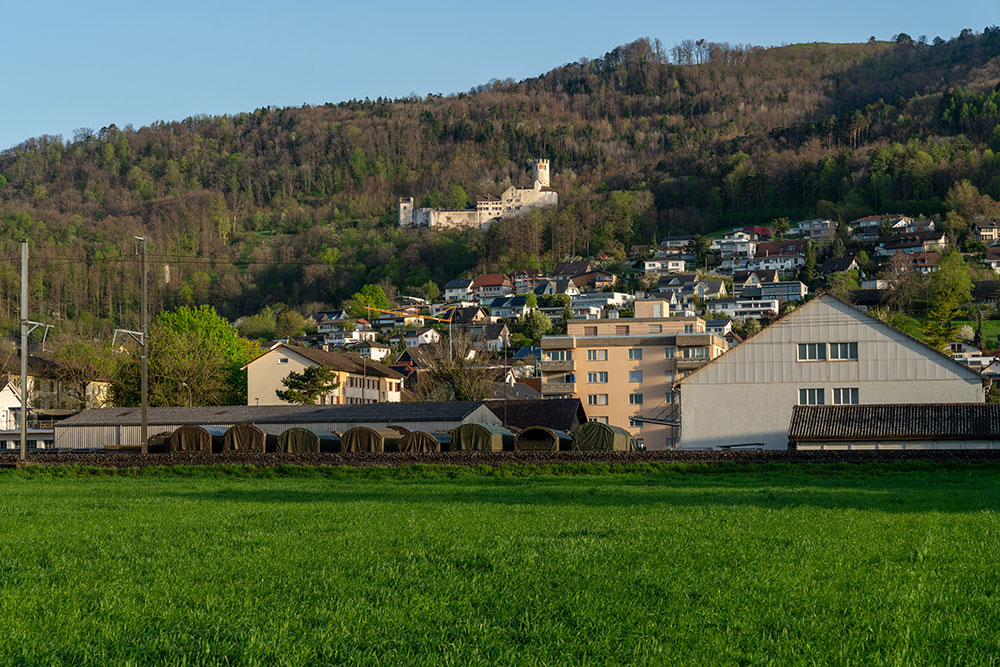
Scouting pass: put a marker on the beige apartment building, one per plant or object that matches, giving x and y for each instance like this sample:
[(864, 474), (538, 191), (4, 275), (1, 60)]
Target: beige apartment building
[(623, 370), (359, 380)]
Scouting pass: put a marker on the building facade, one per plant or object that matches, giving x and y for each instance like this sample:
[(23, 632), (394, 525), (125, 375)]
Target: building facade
[(825, 352), (623, 370)]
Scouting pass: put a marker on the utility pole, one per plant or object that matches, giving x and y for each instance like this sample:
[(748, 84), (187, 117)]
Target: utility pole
[(27, 326), (144, 430), (24, 350)]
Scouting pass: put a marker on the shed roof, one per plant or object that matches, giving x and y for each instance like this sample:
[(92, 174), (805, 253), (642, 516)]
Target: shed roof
[(917, 421), (279, 414), (560, 414)]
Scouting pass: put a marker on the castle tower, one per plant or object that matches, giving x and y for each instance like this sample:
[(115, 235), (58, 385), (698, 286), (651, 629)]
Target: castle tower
[(540, 173), (405, 211)]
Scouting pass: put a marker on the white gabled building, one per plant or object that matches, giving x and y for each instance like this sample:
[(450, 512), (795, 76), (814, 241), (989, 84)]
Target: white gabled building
[(826, 352)]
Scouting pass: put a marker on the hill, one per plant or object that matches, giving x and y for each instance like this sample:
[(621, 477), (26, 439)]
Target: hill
[(297, 205)]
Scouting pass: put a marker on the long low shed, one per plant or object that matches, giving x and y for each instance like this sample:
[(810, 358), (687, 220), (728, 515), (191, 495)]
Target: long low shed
[(896, 426), (104, 427)]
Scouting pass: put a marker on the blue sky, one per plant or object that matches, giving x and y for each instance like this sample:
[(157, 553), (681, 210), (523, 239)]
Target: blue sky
[(68, 65)]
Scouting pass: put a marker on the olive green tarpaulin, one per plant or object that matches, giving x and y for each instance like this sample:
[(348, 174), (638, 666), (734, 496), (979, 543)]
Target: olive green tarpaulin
[(194, 438), (245, 438), (482, 437), (402, 430), (594, 435), (365, 439), (542, 439), (300, 440), (422, 441)]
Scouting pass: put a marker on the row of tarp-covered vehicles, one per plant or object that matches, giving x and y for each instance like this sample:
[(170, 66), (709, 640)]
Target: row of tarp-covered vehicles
[(467, 437)]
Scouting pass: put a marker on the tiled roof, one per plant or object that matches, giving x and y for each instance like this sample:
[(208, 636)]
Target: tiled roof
[(345, 361), (920, 421)]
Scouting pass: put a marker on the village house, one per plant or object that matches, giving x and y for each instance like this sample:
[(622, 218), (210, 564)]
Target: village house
[(747, 307), (869, 227), (987, 232), (912, 243), (458, 289), (993, 258), (526, 280), (784, 290), (818, 230), (566, 270), (839, 265), (742, 279), (359, 380), (921, 262), (595, 280), (491, 285), (370, 350), (415, 338), (508, 307), (677, 241), (825, 352)]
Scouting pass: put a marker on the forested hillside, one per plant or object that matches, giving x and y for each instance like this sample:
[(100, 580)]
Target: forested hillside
[(297, 205)]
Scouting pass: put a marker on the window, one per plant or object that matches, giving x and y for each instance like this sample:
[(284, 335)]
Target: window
[(597, 355), (655, 328), (621, 330), (597, 378), (597, 399), (844, 351), (282, 360), (688, 328), (812, 351), (590, 331), (634, 376), (635, 399), (696, 353), (668, 353), (670, 399), (635, 354), (561, 355), (811, 397), (599, 420), (634, 423), (845, 396), (668, 376)]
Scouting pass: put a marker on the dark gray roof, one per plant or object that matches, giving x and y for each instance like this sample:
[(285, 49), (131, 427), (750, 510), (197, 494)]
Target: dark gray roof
[(836, 264), (458, 283), (572, 268), (561, 414), (919, 421), (278, 414), (985, 290)]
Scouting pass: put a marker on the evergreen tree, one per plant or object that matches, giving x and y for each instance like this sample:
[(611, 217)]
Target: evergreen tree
[(940, 329), (305, 388)]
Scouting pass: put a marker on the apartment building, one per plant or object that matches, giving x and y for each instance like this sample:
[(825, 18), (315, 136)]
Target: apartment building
[(623, 370)]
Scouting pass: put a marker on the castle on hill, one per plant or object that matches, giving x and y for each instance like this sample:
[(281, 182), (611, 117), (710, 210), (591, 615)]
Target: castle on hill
[(514, 202)]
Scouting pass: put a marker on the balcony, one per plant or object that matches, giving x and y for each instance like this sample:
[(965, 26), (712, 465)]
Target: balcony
[(557, 388), (556, 366), (690, 364)]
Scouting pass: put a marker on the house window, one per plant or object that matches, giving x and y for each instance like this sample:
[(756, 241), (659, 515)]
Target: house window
[(812, 397), (560, 355), (635, 354), (635, 399), (283, 360), (634, 423), (688, 328), (597, 355), (668, 376), (670, 399), (844, 351), (696, 353), (668, 353), (597, 378), (599, 420), (590, 331), (621, 330), (812, 351), (845, 396), (634, 376), (597, 399), (655, 328)]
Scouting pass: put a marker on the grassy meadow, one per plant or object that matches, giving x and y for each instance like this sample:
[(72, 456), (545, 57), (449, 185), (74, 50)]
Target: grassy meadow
[(892, 564)]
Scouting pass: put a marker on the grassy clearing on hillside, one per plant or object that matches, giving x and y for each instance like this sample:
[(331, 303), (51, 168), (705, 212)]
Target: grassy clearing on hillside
[(891, 564)]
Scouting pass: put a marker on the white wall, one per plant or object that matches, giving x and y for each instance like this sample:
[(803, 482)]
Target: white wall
[(747, 395)]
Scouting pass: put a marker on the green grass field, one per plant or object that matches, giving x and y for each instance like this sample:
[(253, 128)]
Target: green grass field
[(895, 564)]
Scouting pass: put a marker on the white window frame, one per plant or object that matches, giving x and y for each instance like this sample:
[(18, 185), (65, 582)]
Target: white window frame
[(635, 399), (669, 352), (597, 377), (632, 374), (635, 354), (597, 355), (597, 399), (812, 396), (811, 352), (843, 351), (850, 393)]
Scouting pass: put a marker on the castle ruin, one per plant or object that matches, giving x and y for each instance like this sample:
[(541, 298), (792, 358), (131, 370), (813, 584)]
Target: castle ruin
[(513, 203)]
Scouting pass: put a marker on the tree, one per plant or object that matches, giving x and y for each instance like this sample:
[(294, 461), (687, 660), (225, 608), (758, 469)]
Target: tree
[(370, 296), (808, 271), (289, 323), (537, 324), (305, 388), (530, 301), (455, 372), (952, 277), (701, 247), (779, 227), (195, 358), (940, 329)]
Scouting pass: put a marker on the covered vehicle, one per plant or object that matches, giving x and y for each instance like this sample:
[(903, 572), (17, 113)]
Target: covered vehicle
[(159, 443), (594, 435), (250, 438), (301, 440), (542, 439), (367, 439), (422, 441), (482, 437), (194, 438)]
